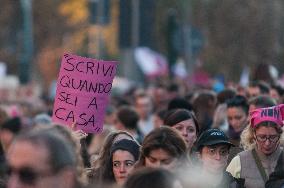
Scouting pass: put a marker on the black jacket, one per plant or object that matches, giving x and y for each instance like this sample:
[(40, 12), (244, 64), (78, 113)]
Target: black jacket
[(276, 179), (230, 182)]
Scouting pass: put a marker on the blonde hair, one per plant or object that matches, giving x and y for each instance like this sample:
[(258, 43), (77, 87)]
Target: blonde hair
[(247, 136)]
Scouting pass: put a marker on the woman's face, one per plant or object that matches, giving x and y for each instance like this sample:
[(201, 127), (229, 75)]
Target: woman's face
[(237, 118), (275, 95), (159, 158), (187, 129), (214, 158), (267, 139), (122, 165)]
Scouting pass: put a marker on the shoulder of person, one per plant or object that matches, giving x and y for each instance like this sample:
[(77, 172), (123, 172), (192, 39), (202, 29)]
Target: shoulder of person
[(234, 182)]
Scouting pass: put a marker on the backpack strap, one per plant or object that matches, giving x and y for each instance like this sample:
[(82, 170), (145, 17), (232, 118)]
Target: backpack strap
[(259, 166), (280, 161)]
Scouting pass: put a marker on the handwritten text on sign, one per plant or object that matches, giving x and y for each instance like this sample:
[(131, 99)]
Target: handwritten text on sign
[(82, 93)]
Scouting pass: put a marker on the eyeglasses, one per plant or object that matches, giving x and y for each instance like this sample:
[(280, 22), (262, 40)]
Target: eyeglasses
[(222, 152), (26, 175), (271, 138)]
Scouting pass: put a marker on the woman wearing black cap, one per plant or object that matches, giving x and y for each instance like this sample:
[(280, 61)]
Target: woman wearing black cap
[(213, 149)]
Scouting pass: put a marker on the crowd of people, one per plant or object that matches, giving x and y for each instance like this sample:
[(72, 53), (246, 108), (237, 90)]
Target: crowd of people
[(160, 136)]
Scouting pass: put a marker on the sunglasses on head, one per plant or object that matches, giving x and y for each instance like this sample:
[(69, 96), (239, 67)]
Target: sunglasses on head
[(26, 175)]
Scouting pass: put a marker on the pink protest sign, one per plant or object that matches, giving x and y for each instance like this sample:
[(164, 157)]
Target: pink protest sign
[(82, 94)]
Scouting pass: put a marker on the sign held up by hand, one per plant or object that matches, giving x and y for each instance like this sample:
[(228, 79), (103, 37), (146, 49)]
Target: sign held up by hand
[(82, 94)]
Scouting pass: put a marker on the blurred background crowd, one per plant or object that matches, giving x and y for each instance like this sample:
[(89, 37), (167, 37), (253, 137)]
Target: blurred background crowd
[(189, 74)]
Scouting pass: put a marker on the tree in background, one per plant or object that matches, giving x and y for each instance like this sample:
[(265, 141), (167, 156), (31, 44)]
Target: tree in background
[(237, 33)]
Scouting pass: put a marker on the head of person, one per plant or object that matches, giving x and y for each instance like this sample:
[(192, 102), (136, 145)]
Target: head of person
[(261, 101), (277, 92), (46, 161), (124, 155), (257, 88), (265, 128), (179, 103), (126, 118), (237, 113), (159, 116), (173, 90), (42, 120), (204, 105), (152, 178), (225, 95), (213, 149), (67, 134), (100, 171), (8, 131), (143, 104), (163, 147), (185, 123), (160, 95)]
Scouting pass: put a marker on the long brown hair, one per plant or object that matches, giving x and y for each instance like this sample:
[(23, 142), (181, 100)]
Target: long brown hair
[(101, 170), (165, 138)]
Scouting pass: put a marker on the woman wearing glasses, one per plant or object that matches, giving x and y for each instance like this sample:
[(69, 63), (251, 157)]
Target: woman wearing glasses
[(213, 149), (264, 155)]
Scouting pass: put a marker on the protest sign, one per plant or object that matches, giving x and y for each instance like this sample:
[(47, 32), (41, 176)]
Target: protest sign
[(82, 93)]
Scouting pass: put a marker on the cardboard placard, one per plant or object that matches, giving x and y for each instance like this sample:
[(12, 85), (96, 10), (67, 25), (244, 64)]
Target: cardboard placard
[(82, 93)]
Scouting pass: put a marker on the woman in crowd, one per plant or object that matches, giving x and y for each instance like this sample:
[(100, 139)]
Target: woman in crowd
[(123, 155), (262, 137), (237, 115), (213, 149), (98, 172), (163, 147), (220, 120), (185, 123)]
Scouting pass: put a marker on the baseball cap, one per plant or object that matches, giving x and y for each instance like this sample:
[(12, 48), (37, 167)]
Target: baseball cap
[(274, 114), (212, 137)]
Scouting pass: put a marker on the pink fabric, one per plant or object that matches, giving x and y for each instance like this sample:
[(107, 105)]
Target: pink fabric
[(274, 114)]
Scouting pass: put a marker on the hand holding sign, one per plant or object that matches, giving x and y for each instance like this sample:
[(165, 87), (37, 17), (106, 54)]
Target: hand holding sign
[(78, 134), (83, 88)]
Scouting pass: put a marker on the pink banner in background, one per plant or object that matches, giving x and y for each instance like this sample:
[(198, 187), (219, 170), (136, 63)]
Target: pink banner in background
[(82, 94)]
